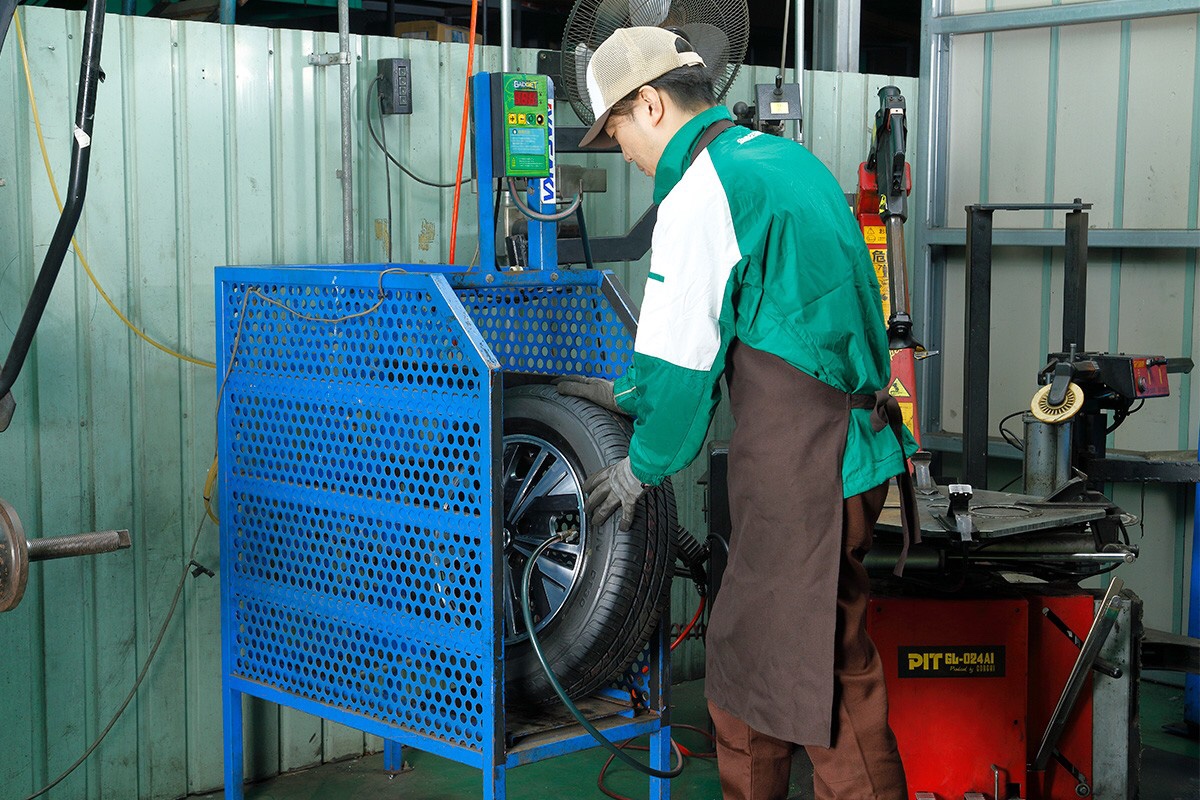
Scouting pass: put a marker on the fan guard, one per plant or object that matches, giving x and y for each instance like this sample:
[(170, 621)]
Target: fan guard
[(719, 30)]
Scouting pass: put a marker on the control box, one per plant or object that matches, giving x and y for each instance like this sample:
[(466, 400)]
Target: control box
[(395, 85), (521, 125)]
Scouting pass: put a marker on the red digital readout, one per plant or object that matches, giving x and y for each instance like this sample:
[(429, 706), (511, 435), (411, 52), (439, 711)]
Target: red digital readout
[(525, 97)]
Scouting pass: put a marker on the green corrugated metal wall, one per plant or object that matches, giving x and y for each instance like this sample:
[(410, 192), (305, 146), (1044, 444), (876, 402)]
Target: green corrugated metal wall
[(1108, 112), (212, 146)]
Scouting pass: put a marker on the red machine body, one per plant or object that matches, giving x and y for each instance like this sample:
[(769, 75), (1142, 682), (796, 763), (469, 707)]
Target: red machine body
[(972, 684)]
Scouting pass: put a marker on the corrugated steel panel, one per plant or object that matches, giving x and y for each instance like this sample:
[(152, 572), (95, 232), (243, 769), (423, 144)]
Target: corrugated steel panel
[(1108, 112), (212, 146)]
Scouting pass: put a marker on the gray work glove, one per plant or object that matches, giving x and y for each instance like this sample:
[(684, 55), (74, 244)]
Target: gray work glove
[(597, 390), (611, 488)]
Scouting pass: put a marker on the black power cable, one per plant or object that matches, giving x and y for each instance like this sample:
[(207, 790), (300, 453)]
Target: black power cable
[(388, 154)]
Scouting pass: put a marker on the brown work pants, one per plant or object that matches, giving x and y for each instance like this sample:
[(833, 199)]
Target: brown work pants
[(863, 761)]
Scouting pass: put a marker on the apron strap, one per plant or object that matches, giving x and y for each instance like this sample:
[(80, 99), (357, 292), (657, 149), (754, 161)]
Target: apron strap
[(885, 413), (710, 133)]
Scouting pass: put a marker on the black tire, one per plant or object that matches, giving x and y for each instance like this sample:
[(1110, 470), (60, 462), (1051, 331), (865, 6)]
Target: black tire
[(620, 586)]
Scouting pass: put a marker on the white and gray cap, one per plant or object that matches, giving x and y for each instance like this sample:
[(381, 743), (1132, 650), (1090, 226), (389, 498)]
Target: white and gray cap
[(628, 60)]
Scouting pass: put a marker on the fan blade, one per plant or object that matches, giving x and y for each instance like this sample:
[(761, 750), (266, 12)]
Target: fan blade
[(648, 12)]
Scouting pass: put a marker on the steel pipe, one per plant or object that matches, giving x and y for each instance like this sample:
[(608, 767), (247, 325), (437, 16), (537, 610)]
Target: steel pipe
[(347, 176), (80, 544), (506, 12)]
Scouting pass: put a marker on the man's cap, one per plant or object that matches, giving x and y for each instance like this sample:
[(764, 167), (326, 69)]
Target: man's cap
[(628, 60)]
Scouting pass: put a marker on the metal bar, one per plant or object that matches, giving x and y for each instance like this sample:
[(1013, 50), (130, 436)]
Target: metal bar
[(481, 99), (228, 12), (929, 272), (506, 13), (1051, 16), (836, 35), (391, 17), (1130, 238), (626, 310), (629, 246), (798, 29), (1076, 205), (1110, 608), (81, 154), (897, 265), (569, 137), (80, 544), (347, 176), (1075, 282), (977, 352)]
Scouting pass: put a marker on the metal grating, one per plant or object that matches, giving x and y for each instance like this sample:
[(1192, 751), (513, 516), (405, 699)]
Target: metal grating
[(356, 451), (551, 330)]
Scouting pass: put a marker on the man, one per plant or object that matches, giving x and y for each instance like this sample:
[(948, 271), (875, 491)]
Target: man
[(758, 272)]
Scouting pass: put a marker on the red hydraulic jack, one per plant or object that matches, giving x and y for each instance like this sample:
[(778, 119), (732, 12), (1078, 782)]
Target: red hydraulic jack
[(881, 205)]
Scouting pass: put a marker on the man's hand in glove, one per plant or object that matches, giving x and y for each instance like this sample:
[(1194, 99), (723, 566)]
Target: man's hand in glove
[(597, 390), (611, 488)]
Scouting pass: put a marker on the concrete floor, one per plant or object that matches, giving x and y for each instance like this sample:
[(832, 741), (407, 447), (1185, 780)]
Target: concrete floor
[(1170, 767)]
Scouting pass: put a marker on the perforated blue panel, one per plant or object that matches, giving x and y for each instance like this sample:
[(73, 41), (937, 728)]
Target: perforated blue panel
[(566, 327), (357, 452)]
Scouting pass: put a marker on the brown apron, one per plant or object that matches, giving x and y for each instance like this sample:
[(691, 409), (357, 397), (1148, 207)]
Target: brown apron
[(770, 643)]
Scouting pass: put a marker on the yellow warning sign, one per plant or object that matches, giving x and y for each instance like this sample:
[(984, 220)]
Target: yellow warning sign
[(874, 234), (897, 390), (880, 262), (906, 413)]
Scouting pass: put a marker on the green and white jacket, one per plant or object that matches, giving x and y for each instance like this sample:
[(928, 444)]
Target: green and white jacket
[(754, 241)]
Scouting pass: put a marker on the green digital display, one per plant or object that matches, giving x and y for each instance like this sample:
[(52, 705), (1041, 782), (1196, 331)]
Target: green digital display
[(524, 125)]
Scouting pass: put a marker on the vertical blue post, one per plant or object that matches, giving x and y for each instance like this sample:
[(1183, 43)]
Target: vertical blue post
[(543, 236), (1191, 692), (481, 103), (231, 699), (660, 701), (393, 756), (493, 783)]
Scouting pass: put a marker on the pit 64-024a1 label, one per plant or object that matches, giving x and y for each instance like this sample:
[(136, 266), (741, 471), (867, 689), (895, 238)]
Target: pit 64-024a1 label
[(985, 661)]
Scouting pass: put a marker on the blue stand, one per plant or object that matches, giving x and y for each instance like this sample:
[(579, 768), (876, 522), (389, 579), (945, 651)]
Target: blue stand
[(360, 438)]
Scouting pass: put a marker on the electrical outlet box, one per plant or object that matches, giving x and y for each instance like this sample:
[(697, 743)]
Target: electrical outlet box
[(395, 84)]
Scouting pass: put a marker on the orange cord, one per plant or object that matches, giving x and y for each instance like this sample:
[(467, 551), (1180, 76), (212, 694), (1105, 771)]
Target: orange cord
[(683, 633), (462, 138)]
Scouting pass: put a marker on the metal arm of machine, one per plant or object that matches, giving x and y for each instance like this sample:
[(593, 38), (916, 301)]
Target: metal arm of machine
[(887, 161), (81, 150)]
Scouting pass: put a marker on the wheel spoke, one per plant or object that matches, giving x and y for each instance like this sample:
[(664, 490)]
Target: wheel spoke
[(527, 484), (512, 601), (556, 481), (558, 574)]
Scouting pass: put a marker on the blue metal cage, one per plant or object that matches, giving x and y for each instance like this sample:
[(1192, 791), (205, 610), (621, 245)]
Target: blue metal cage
[(360, 430)]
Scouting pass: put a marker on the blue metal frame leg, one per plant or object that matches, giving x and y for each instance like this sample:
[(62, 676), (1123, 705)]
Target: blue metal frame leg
[(660, 758), (494, 789), (232, 722), (393, 756)]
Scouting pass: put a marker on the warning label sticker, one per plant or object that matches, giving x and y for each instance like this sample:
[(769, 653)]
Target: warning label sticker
[(984, 661), (875, 234), (897, 389)]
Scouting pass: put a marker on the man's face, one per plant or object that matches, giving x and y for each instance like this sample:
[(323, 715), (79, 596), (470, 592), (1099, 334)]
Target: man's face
[(641, 140)]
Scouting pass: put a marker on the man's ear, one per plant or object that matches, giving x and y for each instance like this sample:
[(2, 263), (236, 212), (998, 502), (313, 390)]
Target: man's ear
[(654, 101)]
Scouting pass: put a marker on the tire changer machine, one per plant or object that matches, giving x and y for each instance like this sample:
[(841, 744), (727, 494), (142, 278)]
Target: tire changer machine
[(360, 429)]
